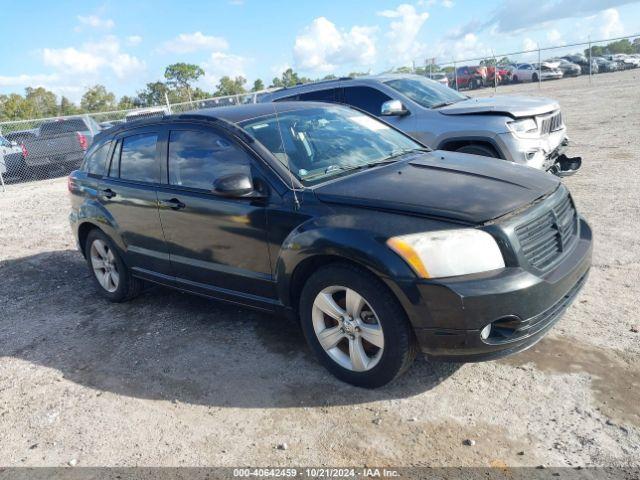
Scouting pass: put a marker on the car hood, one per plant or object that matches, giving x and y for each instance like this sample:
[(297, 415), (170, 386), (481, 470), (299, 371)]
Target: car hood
[(511, 105), (449, 185)]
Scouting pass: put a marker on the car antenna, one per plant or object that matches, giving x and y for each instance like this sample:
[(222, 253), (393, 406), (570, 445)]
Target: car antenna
[(295, 195)]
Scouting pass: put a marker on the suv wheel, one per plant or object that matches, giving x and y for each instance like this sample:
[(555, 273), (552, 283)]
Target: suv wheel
[(110, 275), (355, 326)]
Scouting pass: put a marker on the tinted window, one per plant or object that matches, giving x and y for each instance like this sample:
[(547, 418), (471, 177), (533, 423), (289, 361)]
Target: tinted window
[(367, 98), (96, 160), (197, 158), (138, 158), (330, 95), (63, 126)]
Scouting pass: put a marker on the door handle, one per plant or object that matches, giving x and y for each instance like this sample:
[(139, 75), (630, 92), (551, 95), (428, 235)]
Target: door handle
[(173, 203), (108, 193)]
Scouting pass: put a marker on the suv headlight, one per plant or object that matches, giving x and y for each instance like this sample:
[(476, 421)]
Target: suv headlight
[(526, 128), (447, 253)]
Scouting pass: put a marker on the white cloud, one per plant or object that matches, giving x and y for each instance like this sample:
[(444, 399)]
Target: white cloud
[(220, 64), (94, 21), (24, 80), (134, 40), (192, 42), (529, 44), (93, 57), (610, 24), (404, 30), (447, 3), (554, 37), (322, 47)]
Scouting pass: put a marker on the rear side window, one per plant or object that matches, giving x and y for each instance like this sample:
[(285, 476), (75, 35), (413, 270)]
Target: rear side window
[(366, 98), (138, 158), (331, 95), (63, 126), (197, 158), (96, 160)]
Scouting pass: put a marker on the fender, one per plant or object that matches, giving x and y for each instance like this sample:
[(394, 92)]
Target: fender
[(312, 239), (93, 212)]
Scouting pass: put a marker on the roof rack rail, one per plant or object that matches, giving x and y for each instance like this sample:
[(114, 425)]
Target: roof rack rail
[(317, 82)]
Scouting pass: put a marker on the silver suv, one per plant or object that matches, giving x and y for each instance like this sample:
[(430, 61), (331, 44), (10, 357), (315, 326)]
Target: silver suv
[(525, 130)]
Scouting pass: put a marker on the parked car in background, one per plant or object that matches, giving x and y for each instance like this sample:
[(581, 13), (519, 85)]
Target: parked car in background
[(504, 75), (524, 72), (146, 113), (110, 123), (377, 246), (10, 154), (568, 69), (625, 62), (549, 71), (439, 77), (471, 77), (524, 130), (58, 147), (605, 65)]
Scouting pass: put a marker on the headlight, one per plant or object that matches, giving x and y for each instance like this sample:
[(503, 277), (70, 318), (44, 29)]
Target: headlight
[(526, 127), (447, 253)]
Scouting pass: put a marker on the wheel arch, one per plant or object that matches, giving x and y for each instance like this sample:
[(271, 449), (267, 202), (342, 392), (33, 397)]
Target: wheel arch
[(452, 144)]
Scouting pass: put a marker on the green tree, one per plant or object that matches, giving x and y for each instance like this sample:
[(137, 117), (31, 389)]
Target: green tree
[(14, 107), (127, 103), (230, 86), (41, 101), (258, 85), (154, 94), (182, 75), (67, 107), (98, 99), (289, 78)]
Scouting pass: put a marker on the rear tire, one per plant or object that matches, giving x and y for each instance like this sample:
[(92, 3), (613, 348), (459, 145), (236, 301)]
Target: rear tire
[(348, 354), (478, 150), (514, 79), (110, 275)]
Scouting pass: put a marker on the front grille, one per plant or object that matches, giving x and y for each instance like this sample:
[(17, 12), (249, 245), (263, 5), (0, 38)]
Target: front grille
[(544, 239), (551, 123)]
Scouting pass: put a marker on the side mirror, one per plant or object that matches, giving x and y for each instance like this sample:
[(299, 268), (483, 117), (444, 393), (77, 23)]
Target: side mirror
[(393, 108), (236, 185)]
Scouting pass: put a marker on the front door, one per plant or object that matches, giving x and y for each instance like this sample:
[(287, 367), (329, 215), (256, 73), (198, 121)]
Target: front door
[(217, 245), (129, 195)]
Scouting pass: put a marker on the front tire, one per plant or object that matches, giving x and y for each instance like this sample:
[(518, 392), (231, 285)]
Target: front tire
[(110, 275), (355, 326)]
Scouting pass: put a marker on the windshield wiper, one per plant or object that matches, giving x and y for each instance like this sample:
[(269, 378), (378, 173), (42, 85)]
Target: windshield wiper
[(399, 153)]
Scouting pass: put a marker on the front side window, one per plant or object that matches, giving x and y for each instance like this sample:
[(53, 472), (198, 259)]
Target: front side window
[(425, 92), (366, 98), (319, 143), (138, 158), (96, 160), (197, 158)]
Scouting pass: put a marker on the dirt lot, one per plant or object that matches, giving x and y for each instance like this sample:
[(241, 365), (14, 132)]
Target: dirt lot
[(171, 379)]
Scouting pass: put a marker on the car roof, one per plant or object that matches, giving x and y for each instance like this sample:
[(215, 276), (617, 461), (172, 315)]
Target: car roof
[(232, 114)]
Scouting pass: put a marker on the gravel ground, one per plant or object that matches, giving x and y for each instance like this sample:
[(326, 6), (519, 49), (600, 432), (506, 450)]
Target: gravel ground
[(172, 379)]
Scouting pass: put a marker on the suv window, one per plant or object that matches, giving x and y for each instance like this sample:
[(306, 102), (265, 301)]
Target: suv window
[(367, 98), (329, 95), (138, 158), (197, 158), (63, 126), (96, 160)]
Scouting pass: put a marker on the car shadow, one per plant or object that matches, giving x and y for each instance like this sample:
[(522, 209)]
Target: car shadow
[(168, 345)]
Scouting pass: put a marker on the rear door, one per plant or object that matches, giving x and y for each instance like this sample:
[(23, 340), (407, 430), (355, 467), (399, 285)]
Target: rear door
[(128, 193), (217, 245)]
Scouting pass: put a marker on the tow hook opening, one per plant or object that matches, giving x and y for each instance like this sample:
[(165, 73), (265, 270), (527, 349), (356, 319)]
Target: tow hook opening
[(566, 166)]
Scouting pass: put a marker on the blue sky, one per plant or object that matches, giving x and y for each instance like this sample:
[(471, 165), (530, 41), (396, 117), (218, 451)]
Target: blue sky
[(67, 45)]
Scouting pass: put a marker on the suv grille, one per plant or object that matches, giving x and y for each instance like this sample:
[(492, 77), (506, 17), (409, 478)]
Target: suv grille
[(551, 123), (544, 239)]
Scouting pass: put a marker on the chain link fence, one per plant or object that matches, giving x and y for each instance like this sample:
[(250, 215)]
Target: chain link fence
[(53, 147), (586, 60)]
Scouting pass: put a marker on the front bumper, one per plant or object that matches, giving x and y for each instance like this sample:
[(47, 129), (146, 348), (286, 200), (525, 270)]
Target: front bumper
[(544, 153), (449, 315)]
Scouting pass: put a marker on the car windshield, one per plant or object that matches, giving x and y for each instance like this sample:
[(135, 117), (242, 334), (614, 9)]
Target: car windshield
[(316, 144), (425, 92)]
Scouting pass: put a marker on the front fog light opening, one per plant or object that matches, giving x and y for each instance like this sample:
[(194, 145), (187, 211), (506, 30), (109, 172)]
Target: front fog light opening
[(485, 332)]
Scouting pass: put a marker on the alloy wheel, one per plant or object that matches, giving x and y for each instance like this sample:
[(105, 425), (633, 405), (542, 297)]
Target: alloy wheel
[(104, 266), (347, 328)]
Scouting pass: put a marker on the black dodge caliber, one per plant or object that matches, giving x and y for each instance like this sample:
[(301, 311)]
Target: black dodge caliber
[(378, 245)]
